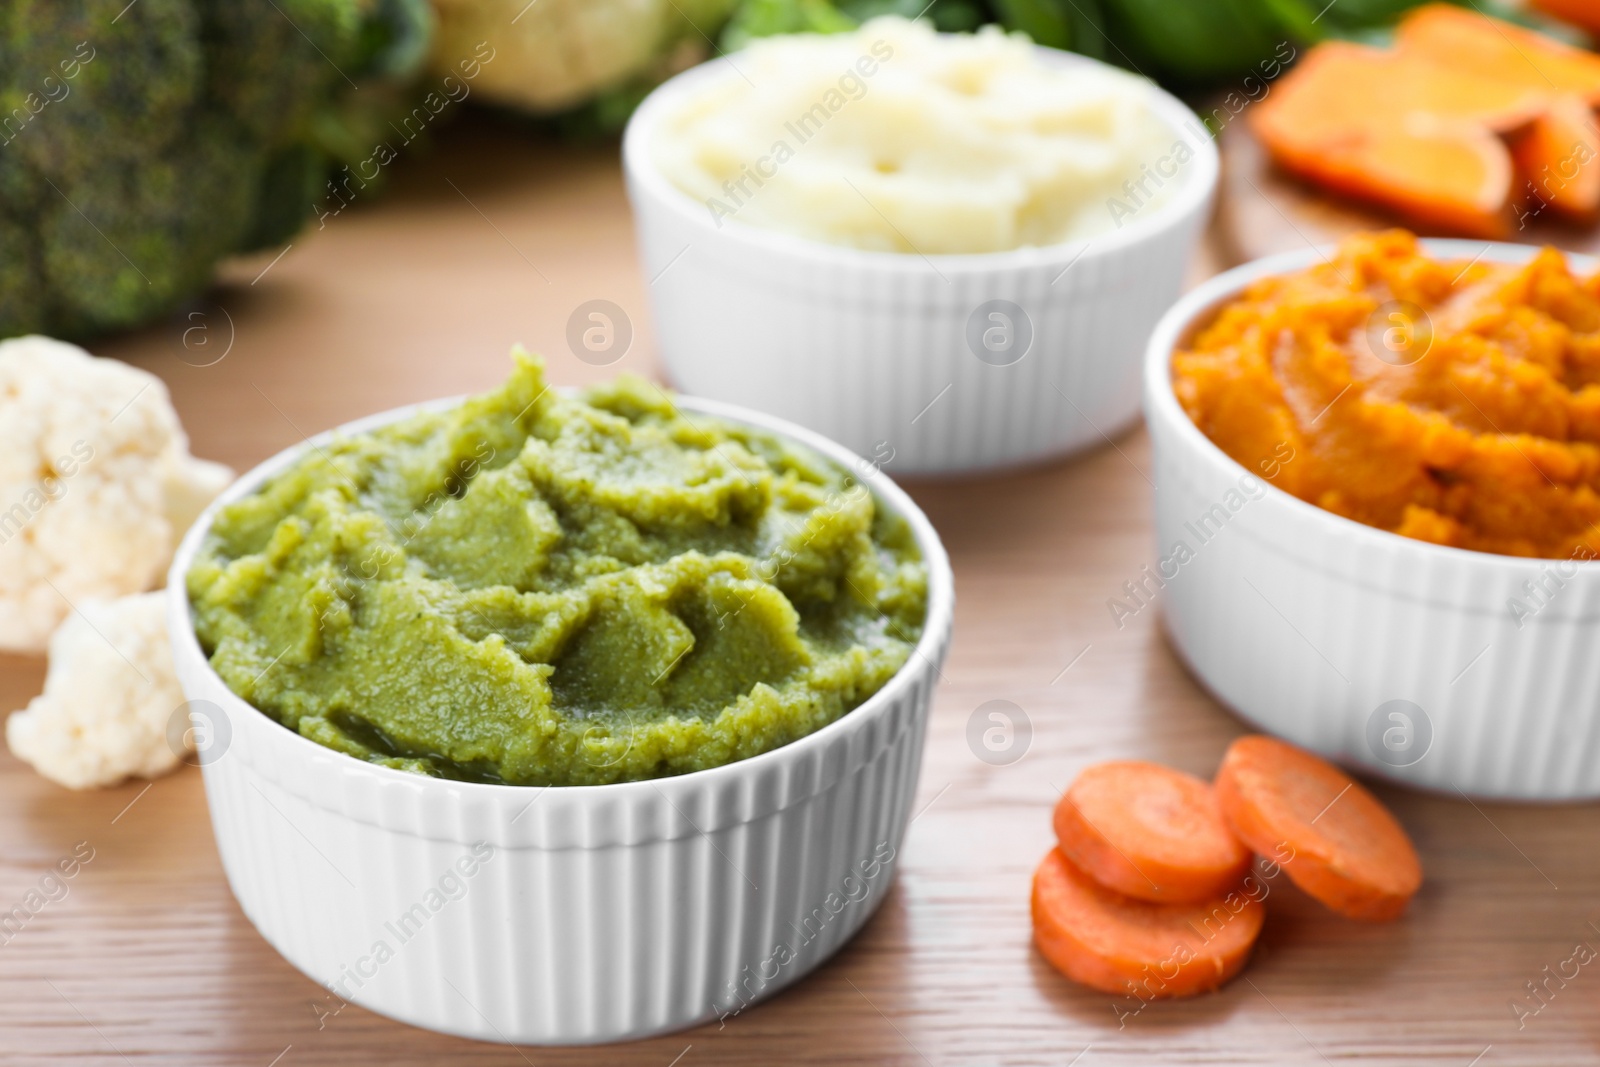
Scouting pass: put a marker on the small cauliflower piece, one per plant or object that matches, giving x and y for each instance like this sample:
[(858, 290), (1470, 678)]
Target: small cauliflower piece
[(192, 484), (96, 484), (108, 698)]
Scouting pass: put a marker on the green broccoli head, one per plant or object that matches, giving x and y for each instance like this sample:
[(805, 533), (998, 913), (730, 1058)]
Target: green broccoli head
[(140, 143)]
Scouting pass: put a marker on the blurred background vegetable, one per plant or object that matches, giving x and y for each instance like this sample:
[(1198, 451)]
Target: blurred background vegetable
[(1456, 127), (1581, 13), (593, 60), (140, 143), (587, 63), (1185, 44)]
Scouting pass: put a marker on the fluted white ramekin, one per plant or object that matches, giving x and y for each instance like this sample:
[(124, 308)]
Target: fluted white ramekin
[(1398, 656), (871, 348), (590, 914)]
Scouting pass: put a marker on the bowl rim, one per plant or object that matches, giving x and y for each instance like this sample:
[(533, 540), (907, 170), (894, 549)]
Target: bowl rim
[(1207, 299), (925, 656), (1193, 194)]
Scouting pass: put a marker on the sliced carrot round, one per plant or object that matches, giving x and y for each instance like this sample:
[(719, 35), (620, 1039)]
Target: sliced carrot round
[(1150, 832), (1333, 838), (1117, 944)]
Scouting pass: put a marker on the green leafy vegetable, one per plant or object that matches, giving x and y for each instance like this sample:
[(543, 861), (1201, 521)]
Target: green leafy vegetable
[(1182, 43), (1203, 41)]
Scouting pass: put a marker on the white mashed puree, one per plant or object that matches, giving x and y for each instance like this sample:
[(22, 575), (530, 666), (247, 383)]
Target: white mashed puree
[(896, 138)]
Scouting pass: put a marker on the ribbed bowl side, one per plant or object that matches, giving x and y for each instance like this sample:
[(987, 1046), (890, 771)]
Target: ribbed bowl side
[(538, 945), (567, 915), (1305, 624), (880, 360), (875, 350)]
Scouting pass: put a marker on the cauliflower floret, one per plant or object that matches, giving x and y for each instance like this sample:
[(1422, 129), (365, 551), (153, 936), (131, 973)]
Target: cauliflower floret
[(108, 698), (192, 484), (556, 54), (96, 484)]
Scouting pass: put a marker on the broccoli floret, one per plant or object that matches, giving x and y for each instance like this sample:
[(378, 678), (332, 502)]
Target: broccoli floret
[(120, 244), (293, 178), (141, 143), (20, 292), (107, 93), (250, 47)]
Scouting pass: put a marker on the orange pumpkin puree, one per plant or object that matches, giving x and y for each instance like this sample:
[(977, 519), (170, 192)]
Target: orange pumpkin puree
[(1452, 402)]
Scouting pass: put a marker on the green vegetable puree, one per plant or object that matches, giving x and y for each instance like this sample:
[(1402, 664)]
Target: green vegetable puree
[(541, 589)]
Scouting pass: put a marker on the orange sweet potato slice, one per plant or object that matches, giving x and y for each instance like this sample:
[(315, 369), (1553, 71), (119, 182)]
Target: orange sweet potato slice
[(1403, 132), (1558, 156), (1411, 128), (1455, 177), (1491, 50), (1340, 88)]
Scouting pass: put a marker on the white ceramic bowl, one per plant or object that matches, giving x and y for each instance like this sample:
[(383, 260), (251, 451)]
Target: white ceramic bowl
[(872, 348), (565, 915), (1310, 625)]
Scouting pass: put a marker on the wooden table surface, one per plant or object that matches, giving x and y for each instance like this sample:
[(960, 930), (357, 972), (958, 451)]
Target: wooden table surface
[(494, 239)]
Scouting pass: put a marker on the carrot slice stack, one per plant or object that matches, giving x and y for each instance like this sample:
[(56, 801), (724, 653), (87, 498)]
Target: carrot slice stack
[(1118, 944), (1150, 832), (1332, 837)]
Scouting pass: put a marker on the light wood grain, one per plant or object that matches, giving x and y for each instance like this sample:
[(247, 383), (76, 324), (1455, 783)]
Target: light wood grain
[(149, 960)]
